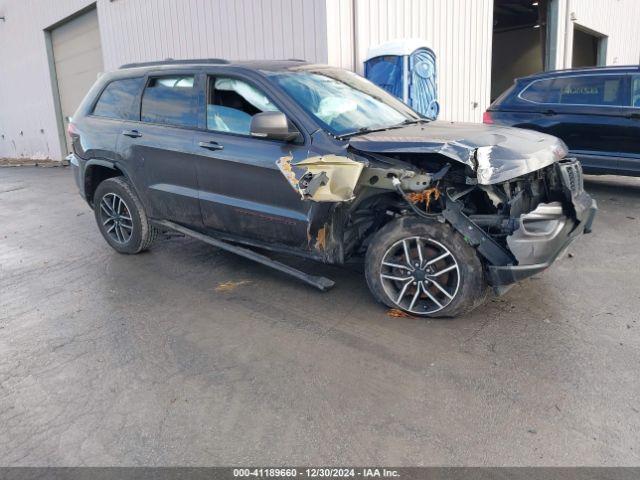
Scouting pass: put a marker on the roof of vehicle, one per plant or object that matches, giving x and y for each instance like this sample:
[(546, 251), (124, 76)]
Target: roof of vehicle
[(591, 70), (272, 65)]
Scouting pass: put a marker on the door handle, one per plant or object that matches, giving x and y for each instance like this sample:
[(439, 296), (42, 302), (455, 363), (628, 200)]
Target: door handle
[(211, 145), (633, 115), (549, 112), (132, 133)]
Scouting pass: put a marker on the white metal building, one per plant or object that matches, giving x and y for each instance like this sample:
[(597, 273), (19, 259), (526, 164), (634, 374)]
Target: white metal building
[(51, 51)]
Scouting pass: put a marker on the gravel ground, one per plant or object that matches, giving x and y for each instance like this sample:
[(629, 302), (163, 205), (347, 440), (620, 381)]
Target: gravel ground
[(188, 355)]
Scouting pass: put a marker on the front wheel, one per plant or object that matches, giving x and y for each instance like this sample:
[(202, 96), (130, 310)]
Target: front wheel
[(424, 269)]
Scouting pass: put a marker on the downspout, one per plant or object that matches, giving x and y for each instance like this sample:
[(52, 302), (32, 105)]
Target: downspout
[(354, 33), (568, 27)]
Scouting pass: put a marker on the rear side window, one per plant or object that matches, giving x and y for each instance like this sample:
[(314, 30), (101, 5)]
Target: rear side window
[(118, 100), (171, 100), (596, 90)]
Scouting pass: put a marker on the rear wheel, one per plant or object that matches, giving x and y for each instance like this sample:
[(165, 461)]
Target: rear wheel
[(121, 217), (424, 269)]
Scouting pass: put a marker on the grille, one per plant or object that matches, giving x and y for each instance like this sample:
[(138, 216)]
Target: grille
[(572, 175)]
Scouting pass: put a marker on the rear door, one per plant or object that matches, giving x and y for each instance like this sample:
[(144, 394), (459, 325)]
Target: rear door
[(585, 111), (630, 161), (118, 102), (158, 148), (242, 192)]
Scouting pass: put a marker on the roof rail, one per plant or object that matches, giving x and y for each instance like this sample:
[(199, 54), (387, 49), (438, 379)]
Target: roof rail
[(171, 61), (589, 68), (551, 73)]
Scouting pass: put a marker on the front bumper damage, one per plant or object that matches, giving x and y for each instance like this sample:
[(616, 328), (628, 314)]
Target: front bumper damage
[(546, 232)]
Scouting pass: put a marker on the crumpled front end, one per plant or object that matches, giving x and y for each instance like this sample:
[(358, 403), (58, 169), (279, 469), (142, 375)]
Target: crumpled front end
[(511, 193), (541, 235)]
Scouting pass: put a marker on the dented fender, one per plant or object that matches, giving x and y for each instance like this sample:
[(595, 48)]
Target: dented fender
[(323, 178), (334, 178)]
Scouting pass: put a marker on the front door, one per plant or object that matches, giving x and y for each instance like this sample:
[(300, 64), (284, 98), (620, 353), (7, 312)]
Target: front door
[(242, 191)]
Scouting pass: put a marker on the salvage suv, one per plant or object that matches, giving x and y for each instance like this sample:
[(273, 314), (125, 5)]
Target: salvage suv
[(317, 161)]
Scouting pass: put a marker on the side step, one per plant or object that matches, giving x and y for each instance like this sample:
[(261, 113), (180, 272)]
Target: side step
[(321, 283)]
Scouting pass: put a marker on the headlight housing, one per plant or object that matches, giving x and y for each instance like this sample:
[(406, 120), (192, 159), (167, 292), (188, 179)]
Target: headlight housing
[(560, 149)]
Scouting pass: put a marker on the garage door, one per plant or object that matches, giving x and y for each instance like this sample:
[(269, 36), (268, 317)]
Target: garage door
[(77, 56)]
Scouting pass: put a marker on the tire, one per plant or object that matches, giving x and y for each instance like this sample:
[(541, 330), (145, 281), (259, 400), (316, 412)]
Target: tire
[(129, 230), (451, 285)]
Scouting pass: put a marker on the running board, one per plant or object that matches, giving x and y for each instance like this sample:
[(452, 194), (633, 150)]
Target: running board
[(321, 283)]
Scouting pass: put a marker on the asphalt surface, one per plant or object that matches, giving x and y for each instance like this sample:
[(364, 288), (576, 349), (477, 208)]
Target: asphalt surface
[(155, 360)]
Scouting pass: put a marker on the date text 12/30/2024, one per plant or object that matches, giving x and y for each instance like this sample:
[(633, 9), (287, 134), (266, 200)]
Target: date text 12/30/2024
[(315, 473)]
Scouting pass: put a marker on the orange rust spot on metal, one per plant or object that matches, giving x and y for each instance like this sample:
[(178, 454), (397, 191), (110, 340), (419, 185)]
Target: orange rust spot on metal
[(284, 163), (424, 196), (397, 313), (321, 239)]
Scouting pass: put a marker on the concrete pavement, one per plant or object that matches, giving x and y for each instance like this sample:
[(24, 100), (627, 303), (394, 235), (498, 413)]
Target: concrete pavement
[(157, 359)]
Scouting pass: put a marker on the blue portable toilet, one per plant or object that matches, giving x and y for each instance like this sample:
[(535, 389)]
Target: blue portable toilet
[(406, 69)]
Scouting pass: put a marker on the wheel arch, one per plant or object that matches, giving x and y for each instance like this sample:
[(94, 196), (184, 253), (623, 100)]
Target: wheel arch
[(95, 172), (367, 216)]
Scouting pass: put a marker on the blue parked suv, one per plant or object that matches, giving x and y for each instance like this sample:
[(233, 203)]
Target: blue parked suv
[(596, 111)]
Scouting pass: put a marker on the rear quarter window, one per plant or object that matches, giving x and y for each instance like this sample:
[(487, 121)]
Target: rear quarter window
[(536, 91), (118, 99)]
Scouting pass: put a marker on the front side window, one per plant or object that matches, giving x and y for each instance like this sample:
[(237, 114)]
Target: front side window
[(232, 103), (635, 91), (596, 90), (118, 99), (171, 100), (343, 102)]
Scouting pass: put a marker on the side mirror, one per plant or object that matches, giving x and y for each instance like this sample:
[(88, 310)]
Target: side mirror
[(272, 125)]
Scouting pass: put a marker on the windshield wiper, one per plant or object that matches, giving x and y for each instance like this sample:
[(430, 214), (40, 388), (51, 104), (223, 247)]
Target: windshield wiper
[(362, 130), (411, 121)]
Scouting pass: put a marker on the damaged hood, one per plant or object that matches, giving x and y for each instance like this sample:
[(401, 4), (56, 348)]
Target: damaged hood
[(495, 153)]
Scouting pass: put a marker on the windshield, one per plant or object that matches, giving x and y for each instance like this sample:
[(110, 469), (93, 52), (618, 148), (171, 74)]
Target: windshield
[(343, 102)]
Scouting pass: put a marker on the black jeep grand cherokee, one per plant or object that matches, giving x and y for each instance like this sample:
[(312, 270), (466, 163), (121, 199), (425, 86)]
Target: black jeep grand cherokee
[(317, 161)]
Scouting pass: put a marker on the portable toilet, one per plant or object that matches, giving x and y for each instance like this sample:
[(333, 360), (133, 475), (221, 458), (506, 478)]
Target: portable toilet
[(406, 69)]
